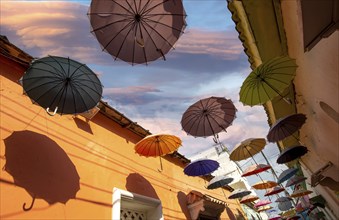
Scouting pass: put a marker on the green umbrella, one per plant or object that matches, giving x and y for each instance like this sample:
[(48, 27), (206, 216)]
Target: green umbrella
[(267, 81)]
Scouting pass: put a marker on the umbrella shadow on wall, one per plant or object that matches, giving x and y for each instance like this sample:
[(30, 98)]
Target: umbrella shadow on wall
[(138, 184), (41, 167), (182, 200), (83, 125)]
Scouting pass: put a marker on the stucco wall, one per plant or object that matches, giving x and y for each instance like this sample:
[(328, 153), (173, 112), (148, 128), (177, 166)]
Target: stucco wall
[(103, 155)]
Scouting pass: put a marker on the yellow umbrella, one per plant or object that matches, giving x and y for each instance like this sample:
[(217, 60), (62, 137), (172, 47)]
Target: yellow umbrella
[(264, 184), (247, 148), (157, 145), (264, 208), (300, 192)]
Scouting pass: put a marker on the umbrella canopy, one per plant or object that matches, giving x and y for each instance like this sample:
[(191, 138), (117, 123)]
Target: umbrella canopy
[(274, 190), (239, 193), (267, 81), (287, 174), (300, 192), (262, 203), (208, 116), (40, 166), (255, 169), (264, 208), (266, 184), (201, 167), (285, 127), (63, 85), (157, 145), (284, 206), (275, 217), (249, 198), (295, 180), (219, 181), (247, 149), (291, 153), (283, 199), (296, 217), (137, 31)]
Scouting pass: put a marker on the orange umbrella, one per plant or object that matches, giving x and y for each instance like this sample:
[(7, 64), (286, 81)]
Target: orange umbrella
[(300, 192), (264, 208), (157, 145), (264, 184), (249, 198), (255, 169)]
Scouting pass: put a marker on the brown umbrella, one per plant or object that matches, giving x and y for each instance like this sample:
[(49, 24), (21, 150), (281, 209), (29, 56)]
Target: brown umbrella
[(264, 184), (300, 192), (247, 148), (249, 198), (137, 31)]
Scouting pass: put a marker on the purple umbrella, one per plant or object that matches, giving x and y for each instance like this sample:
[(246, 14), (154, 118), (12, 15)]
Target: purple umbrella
[(295, 180), (201, 167)]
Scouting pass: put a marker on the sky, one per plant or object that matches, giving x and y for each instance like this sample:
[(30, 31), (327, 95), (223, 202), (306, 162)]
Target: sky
[(208, 60)]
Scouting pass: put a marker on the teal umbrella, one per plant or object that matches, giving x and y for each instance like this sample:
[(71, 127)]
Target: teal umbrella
[(267, 81)]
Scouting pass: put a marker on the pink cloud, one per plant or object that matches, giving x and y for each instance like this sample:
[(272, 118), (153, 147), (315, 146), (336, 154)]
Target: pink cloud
[(130, 90)]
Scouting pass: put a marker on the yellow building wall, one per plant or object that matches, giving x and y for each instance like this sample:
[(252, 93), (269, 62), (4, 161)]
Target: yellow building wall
[(103, 154)]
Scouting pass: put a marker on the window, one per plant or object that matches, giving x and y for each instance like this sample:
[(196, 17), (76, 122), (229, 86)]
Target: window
[(127, 206)]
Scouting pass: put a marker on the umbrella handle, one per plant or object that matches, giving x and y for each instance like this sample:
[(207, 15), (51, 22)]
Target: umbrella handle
[(52, 114), (30, 207), (160, 165)]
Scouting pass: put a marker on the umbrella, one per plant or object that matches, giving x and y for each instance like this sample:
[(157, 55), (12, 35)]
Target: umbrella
[(62, 84), (274, 190), (287, 174), (247, 148), (208, 117), (255, 169), (283, 199), (294, 218), (295, 180), (40, 166), (201, 167), (275, 217), (291, 153), (284, 206), (157, 145), (267, 81), (249, 198), (285, 126), (219, 181), (264, 184), (137, 31), (239, 193), (264, 208), (262, 203), (300, 192)]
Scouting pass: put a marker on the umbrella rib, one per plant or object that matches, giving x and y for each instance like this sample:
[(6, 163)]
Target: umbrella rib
[(165, 40), (81, 97), (56, 75), (131, 8), (143, 49), (58, 64), (142, 11), (146, 11), (112, 23), (80, 87), (128, 11), (88, 80), (123, 42), (163, 24), (38, 86), (57, 71)]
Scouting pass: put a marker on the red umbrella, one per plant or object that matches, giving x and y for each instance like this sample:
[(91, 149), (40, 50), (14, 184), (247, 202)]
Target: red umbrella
[(249, 198), (275, 217), (262, 203), (274, 190), (255, 169)]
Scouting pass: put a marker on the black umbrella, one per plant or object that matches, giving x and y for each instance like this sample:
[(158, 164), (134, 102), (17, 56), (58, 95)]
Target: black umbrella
[(239, 193), (291, 153), (62, 84), (219, 181), (137, 31), (41, 167), (285, 127)]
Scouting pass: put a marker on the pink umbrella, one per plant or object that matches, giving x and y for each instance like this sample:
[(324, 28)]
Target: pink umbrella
[(277, 217), (255, 169), (262, 203)]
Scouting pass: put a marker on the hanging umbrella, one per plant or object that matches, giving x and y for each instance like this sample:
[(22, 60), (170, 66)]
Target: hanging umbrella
[(262, 203), (283, 199), (208, 117), (201, 167), (239, 193), (295, 180), (266, 184), (255, 169), (275, 217), (274, 190), (264, 208), (300, 192), (267, 81), (219, 181), (285, 127), (137, 31), (284, 206), (40, 166), (287, 174), (247, 148), (291, 153), (249, 198), (157, 145), (62, 84), (296, 217)]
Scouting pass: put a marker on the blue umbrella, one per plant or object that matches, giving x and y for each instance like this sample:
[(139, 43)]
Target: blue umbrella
[(219, 181), (287, 174), (239, 193), (201, 167)]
